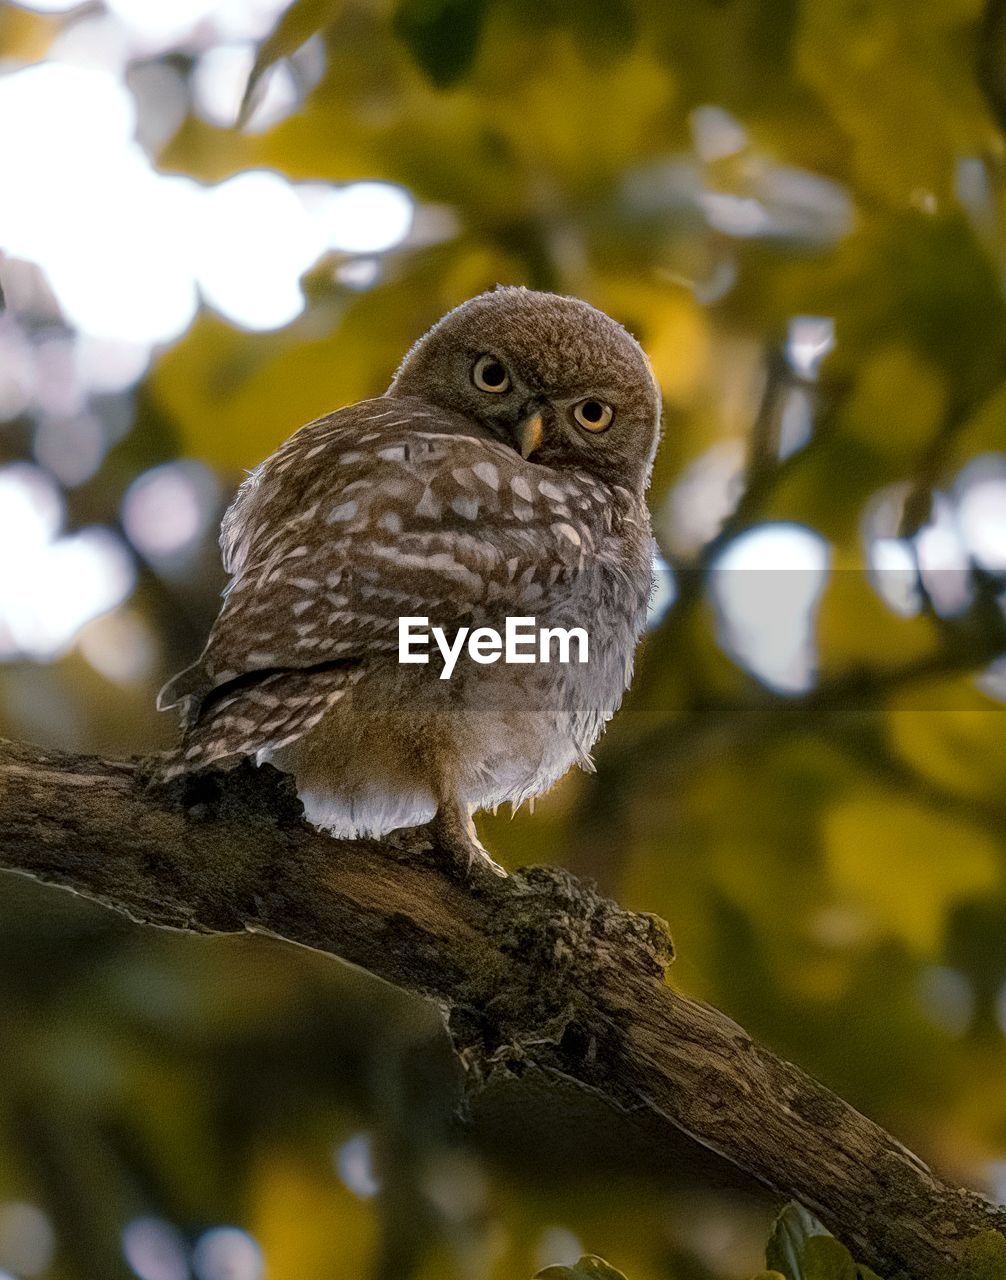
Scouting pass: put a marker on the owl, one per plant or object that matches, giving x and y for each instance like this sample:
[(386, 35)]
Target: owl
[(502, 475)]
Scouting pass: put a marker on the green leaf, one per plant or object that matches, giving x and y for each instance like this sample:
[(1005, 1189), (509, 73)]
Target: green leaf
[(984, 1258), (442, 36), (824, 1258), (793, 1228), (302, 20), (588, 1268), (603, 28)]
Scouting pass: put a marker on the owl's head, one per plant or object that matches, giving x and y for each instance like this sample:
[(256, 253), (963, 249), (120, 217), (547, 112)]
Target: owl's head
[(553, 377)]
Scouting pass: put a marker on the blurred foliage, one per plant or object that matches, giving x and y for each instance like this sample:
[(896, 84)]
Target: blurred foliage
[(588, 1268), (801, 1249), (830, 856), (984, 1258)]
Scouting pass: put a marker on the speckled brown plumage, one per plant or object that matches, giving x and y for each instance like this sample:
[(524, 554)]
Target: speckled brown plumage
[(421, 503)]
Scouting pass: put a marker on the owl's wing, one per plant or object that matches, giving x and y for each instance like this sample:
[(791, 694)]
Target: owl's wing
[(388, 508)]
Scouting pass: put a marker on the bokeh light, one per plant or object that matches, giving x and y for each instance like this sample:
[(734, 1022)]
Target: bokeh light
[(943, 563), (981, 510), (155, 1250), (219, 81), (362, 217), (71, 449), (895, 573), (185, 284), (558, 1247), (49, 6), (766, 587), (354, 1163), (122, 646), (31, 507), (161, 25), (810, 340), (456, 1183), (227, 1253), (156, 27), (992, 681), (128, 250), (27, 1239), (704, 496), (256, 240), (83, 201), (947, 997), (54, 585), (168, 510)]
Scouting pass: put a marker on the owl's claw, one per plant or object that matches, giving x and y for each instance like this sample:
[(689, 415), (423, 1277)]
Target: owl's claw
[(479, 856), (453, 832)]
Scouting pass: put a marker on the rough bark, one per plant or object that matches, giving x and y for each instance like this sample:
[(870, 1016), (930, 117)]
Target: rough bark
[(534, 972)]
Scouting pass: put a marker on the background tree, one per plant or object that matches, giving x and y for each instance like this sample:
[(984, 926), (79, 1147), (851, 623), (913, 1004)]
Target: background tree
[(798, 208)]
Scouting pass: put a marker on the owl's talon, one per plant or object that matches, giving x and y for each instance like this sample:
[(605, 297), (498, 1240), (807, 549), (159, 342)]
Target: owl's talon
[(465, 853), (453, 832), (482, 859)]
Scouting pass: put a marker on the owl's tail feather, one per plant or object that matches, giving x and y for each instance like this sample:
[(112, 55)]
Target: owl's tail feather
[(258, 712), (185, 690)]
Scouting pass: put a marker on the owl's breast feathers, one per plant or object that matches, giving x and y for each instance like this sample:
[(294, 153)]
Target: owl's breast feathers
[(392, 508)]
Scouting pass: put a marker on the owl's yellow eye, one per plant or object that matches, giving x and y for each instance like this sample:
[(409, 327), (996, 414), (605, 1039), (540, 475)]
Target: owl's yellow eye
[(489, 374), (593, 415)]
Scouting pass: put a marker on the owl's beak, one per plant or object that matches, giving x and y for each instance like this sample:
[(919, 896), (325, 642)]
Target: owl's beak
[(529, 434)]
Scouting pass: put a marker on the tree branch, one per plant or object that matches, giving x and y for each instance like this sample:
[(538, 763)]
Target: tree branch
[(991, 59), (537, 972)]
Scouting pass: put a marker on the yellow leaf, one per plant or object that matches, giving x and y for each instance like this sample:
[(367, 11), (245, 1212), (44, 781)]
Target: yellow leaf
[(953, 735), (905, 865), (898, 79), (308, 1226), (677, 335), (235, 396), (855, 627), (896, 405), (302, 20)]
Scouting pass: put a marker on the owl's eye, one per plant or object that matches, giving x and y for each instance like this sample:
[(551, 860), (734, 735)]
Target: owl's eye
[(489, 375), (593, 415)]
